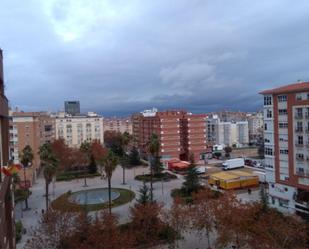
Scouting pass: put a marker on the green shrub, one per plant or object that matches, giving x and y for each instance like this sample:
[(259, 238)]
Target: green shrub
[(18, 231), (156, 177)]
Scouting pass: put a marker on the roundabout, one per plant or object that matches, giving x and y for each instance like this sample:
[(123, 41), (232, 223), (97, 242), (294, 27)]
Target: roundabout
[(91, 199)]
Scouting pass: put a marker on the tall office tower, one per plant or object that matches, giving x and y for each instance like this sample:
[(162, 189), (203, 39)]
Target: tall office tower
[(72, 107), (286, 135), (7, 228)]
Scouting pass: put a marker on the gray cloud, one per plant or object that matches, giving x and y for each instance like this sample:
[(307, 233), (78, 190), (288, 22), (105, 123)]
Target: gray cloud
[(121, 56)]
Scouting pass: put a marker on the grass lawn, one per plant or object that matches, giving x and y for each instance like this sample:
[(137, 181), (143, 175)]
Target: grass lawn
[(62, 203)]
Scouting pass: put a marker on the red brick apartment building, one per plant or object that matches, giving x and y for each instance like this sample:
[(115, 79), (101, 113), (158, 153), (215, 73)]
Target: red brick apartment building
[(180, 133), (286, 133), (30, 128), (7, 233)]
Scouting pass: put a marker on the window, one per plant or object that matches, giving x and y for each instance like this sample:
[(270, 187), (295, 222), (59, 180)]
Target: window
[(299, 126), (282, 98), (266, 140), (299, 113), (299, 96), (283, 111), (284, 152), (283, 203), (265, 127), (300, 140), (268, 151), (300, 156), (283, 125), (267, 100), (269, 114), (307, 95)]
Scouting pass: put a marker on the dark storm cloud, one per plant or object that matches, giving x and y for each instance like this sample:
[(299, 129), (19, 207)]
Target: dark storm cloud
[(119, 57)]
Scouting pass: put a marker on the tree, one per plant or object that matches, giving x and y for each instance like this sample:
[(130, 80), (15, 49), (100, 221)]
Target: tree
[(98, 152), (49, 163), (92, 165), (153, 148), (109, 162), (126, 138), (144, 196), (26, 159), (202, 213), (145, 222), (113, 141), (227, 151), (191, 183), (50, 231), (85, 152), (134, 158), (63, 154)]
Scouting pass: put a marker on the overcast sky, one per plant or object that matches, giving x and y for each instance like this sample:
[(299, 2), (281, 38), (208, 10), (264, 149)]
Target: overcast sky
[(123, 56)]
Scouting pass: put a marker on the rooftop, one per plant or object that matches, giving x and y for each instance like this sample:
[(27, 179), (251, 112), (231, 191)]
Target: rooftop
[(295, 87)]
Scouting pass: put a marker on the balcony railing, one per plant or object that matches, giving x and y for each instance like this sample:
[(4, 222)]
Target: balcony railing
[(298, 116), (298, 158), (297, 144), (307, 114), (299, 129)]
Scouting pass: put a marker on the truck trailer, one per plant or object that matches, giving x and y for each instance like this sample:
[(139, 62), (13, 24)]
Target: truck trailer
[(233, 163)]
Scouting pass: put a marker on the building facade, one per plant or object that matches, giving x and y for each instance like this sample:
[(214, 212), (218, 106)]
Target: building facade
[(227, 133), (33, 129), (118, 124), (286, 136), (79, 128), (7, 228), (72, 107), (256, 125), (181, 134)]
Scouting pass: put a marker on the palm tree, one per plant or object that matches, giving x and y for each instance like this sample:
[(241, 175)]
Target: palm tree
[(126, 138), (153, 148), (109, 163), (49, 164), (26, 159), (85, 148)]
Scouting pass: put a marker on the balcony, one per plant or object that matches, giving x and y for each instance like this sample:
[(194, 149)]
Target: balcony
[(299, 129), (297, 144), (299, 158), (307, 115), (298, 116)]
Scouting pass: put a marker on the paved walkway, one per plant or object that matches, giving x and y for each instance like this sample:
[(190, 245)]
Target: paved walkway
[(161, 194)]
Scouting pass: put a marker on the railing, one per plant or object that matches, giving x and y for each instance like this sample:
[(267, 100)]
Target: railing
[(298, 144), (298, 116), (299, 129), (298, 158)]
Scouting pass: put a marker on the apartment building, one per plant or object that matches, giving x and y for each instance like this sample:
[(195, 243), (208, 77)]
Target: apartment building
[(79, 128), (256, 125), (286, 135), (227, 133), (30, 128), (7, 228), (118, 124), (180, 133)]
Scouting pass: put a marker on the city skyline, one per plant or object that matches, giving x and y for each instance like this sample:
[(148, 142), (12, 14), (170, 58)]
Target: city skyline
[(118, 58)]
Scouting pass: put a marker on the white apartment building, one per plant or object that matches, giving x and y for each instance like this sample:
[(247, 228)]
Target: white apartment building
[(286, 135), (79, 128), (256, 125), (227, 133)]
